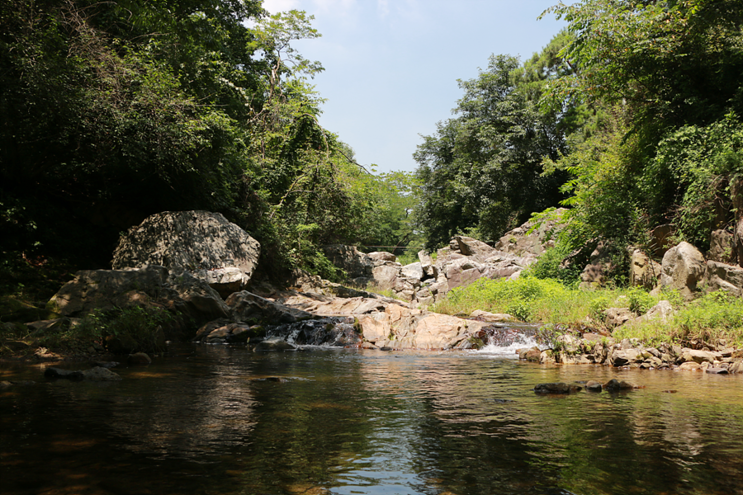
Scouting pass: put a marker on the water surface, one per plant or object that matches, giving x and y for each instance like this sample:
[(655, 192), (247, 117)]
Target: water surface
[(222, 420)]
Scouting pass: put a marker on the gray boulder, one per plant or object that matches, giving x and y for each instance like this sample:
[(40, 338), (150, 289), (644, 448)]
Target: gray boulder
[(382, 256), (722, 247), (721, 276), (413, 271), (204, 243), (683, 268)]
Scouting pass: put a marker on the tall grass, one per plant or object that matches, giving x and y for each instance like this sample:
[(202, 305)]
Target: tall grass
[(532, 299), (710, 318)]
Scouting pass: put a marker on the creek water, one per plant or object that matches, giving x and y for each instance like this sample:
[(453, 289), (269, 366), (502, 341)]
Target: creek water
[(225, 420)]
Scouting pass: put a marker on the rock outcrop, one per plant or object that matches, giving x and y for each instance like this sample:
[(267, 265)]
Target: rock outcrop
[(152, 285), (211, 248)]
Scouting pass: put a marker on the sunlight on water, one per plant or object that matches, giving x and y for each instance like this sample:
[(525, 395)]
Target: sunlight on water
[(224, 420)]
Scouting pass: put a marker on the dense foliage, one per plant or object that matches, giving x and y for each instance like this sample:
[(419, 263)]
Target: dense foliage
[(112, 111), (482, 170), (630, 118)]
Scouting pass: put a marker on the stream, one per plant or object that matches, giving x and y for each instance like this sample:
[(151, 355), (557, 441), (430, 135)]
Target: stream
[(225, 420)]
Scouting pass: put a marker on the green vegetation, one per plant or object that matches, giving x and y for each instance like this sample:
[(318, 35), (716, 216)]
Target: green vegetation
[(712, 317), (113, 111), (533, 299), (134, 329)]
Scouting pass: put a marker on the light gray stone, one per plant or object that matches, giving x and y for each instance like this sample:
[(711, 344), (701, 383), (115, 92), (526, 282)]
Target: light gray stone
[(683, 268), (204, 243)]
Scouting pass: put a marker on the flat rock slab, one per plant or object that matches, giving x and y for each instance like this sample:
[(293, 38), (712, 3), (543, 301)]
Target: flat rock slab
[(717, 371)]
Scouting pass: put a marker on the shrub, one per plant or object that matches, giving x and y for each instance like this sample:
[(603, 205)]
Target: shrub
[(135, 329)]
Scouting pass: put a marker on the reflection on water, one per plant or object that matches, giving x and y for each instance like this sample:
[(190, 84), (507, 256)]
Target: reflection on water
[(219, 420)]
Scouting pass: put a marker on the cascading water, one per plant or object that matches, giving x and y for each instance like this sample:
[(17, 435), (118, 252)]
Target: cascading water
[(328, 332), (505, 339)]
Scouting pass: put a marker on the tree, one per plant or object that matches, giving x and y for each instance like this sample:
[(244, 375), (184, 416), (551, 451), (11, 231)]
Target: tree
[(482, 170)]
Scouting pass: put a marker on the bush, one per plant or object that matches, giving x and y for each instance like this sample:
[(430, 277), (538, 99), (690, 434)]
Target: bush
[(135, 329)]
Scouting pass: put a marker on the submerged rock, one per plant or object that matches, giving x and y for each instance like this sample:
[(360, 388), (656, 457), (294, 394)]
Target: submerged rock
[(615, 385), (274, 344), (593, 386), (557, 388), (138, 358), (97, 374)]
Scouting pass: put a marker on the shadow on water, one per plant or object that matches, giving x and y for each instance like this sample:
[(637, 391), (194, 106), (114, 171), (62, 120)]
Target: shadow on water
[(223, 420)]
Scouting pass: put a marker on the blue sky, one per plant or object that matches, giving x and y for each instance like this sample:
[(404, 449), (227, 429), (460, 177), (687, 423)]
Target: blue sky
[(391, 66)]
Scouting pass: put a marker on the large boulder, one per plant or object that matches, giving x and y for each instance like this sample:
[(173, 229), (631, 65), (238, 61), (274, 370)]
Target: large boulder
[(204, 243), (682, 269), (721, 276), (151, 285), (472, 247)]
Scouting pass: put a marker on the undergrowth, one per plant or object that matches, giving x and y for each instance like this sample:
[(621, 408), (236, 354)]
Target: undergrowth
[(710, 318)]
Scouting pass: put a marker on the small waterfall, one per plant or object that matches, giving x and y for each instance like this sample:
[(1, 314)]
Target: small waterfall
[(329, 332), (504, 339)]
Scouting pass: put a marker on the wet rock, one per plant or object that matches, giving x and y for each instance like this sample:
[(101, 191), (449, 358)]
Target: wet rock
[(54, 373), (736, 367), (99, 374), (689, 366), (274, 344), (105, 364), (139, 359), (547, 357), (252, 309), (557, 388), (594, 386), (615, 385), (717, 371), (5, 384)]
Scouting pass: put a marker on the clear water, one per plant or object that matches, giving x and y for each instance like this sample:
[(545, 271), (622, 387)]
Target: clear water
[(219, 420)]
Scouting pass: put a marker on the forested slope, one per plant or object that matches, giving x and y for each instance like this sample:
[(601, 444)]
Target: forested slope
[(630, 117), (112, 111)]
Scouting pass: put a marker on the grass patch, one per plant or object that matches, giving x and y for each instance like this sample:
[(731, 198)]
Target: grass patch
[(533, 300), (711, 318)]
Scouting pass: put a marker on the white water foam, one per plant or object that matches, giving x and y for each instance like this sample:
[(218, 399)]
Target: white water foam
[(510, 351)]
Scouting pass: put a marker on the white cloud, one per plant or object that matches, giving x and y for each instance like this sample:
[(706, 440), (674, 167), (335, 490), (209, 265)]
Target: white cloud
[(274, 6), (335, 5)]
